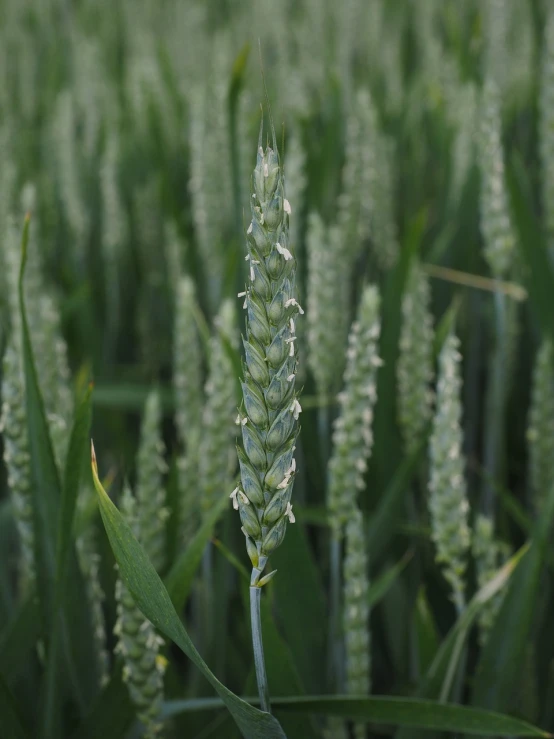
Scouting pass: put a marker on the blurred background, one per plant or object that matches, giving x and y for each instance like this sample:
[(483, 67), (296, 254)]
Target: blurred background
[(409, 131)]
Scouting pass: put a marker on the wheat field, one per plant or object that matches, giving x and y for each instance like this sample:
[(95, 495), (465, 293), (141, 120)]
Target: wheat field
[(277, 369)]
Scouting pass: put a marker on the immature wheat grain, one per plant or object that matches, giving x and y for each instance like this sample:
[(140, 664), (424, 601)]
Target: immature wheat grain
[(218, 459), (187, 383), (415, 361), (496, 226), (89, 563), (546, 128), (269, 424), (489, 555), (540, 430), (327, 305), (448, 503), (151, 467), (18, 460), (352, 435), (114, 226), (138, 643)]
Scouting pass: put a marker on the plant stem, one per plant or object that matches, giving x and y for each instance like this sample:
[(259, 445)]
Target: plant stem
[(496, 404), (334, 661), (257, 644)]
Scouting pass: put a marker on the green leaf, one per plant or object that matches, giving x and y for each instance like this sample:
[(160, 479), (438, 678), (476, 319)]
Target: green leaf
[(383, 522), (427, 639), (390, 711), (45, 481), (66, 565), (379, 588), (18, 638), (539, 278), (439, 678), (414, 713), (47, 518), (154, 601), (11, 721), (298, 590), (111, 714), (180, 577), (502, 658)]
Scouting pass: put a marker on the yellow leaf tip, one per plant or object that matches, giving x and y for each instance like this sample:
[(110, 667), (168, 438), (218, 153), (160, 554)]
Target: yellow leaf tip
[(93, 457)]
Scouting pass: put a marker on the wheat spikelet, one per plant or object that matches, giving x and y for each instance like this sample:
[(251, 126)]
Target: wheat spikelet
[(540, 430), (269, 424), (415, 361), (151, 467), (496, 226), (187, 383), (546, 128), (327, 305), (448, 503), (138, 644), (218, 458), (17, 459), (489, 554), (352, 435)]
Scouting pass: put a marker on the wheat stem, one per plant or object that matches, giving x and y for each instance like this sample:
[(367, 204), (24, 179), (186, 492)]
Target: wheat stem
[(257, 642)]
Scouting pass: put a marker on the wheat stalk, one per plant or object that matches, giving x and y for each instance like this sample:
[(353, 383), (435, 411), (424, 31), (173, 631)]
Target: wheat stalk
[(540, 430), (356, 613), (271, 407)]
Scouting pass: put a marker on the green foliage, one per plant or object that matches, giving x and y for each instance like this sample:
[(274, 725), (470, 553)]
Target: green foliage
[(421, 135)]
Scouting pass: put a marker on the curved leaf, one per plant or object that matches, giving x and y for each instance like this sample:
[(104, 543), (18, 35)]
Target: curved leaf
[(154, 601), (392, 711)]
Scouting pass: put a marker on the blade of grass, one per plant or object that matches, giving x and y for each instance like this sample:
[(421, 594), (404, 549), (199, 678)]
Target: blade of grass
[(154, 601), (389, 711), (11, 716)]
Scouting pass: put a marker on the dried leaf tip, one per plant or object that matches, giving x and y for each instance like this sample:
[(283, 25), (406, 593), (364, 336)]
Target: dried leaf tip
[(93, 458)]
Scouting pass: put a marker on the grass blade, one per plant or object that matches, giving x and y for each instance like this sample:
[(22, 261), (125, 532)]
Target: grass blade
[(154, 601), (389, 711)]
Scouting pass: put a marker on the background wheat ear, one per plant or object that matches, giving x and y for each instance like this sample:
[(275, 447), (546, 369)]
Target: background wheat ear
[(448, 504)]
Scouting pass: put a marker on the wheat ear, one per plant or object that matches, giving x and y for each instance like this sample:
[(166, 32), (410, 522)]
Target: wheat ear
[(271, 408), (448, 504)]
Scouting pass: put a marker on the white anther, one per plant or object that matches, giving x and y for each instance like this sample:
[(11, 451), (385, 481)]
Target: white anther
[(286, 206), (242, 294), (296, 408), (233, 497), (244, 421), (247, 257), (284, 251), (237, 420), (293, 301), (284, 482), (252, 275), (250, 227), (291, 324), (290, 378), (289, 513)]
